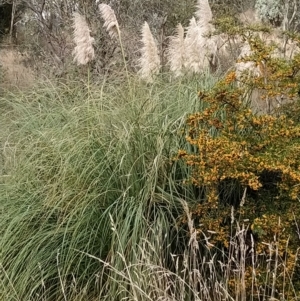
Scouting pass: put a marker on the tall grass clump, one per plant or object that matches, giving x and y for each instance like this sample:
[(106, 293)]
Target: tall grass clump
[(169, 191), (91, 198)]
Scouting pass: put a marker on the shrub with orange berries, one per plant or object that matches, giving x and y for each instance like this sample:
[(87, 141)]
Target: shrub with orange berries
[(239, 156)]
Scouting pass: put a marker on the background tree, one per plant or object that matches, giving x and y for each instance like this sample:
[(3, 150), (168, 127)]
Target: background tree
[(279, 13)]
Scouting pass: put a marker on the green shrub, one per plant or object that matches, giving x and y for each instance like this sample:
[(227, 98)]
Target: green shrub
[(271, 11)]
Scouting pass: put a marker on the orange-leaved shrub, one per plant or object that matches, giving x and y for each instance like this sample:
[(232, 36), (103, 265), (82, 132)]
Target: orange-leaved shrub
[(246, 166)]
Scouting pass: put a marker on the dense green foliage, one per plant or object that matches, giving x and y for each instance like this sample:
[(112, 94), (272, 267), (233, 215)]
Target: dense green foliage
[(180, 189), (94, 204), (84, 157)]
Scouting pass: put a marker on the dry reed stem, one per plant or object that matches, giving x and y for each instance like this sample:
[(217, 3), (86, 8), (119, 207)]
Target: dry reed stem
[(150, 60), (193, 242), (176, 52), (84, 50), (110, 21), (13, 72)]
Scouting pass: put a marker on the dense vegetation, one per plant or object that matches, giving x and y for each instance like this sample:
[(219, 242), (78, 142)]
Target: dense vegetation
[(186, 188)]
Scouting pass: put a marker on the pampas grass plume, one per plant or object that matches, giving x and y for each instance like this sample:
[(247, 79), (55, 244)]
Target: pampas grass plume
[(201, 50), (112, 27), (110, 21), (84, 50), (203, 13), (196, 60), (150, 60), (176, 52)]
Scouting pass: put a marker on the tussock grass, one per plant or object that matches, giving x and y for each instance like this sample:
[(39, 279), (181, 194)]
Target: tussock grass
[(92, 178), (90, 202)]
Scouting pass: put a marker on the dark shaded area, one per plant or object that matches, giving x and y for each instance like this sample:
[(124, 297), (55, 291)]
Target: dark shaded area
[(5, 19)]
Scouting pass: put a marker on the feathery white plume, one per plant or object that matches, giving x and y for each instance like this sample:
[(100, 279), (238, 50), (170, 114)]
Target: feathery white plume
[(203, 13), (149, 61), (84, 50), (176, 52), (110, 21), (201, 50), (195, 43)]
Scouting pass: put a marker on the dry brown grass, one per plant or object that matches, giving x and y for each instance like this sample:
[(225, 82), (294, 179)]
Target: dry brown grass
[(15, 74)]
